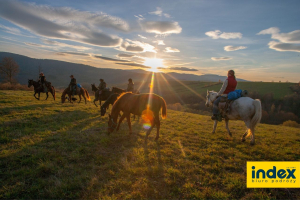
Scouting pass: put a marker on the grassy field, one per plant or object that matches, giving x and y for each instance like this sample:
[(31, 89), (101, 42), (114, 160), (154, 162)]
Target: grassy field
[(58, 151)]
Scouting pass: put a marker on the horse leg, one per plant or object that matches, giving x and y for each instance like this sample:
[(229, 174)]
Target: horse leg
[(150, 129), (215, 126), (120, 121), (226, 122), (129, 123), (95, 102), (46, 95), (84, 99), (247, 131), (79, 98), (35, 96)]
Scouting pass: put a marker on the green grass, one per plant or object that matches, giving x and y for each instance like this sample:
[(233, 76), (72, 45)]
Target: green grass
[(58, 151)]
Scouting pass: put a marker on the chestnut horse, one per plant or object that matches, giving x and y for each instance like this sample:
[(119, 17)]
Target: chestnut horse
[(147, 105), (79, 92)]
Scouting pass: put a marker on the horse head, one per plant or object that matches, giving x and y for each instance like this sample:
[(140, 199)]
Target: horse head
[(210, 97), (103, 110), (94, 88), (30, 82), (112, 124)]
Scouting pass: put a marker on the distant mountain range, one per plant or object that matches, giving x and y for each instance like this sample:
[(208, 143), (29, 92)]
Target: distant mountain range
[(58, 72)]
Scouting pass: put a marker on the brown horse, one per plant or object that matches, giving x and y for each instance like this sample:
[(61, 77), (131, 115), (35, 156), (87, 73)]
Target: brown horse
[(38, 89), (79, 92), (147, 105)]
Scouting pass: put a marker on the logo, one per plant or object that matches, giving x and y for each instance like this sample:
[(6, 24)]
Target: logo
[(273, 174)]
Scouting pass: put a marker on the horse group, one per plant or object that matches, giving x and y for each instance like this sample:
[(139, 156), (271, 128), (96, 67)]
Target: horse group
[(149, 105)]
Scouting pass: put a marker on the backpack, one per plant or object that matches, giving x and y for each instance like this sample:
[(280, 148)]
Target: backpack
[(234, 95), (78, 85)]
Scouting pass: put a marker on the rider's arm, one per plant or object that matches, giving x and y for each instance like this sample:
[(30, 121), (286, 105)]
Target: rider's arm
[(224, 86)]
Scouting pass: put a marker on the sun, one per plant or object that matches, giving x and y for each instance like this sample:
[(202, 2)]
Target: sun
[(154, 63)]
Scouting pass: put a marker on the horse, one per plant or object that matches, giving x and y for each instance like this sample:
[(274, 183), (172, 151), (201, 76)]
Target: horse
[(80, 91), (38, 89), (244, 108), (110, 101), (104, 96), (137, 104)]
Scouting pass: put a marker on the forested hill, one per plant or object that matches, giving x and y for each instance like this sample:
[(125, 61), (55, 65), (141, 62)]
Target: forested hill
[(58, 72)]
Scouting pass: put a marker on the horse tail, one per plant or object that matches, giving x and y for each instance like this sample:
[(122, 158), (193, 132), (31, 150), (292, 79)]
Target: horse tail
[(164, 109), (257, 116), (87, 95)]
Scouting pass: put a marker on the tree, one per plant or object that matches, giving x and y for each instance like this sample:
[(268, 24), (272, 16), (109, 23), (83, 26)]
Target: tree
[(9, 69)]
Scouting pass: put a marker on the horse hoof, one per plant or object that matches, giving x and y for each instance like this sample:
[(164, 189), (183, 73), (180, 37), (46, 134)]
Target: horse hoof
[(212, 132), (243, 139), (230, 134), (252, 143)]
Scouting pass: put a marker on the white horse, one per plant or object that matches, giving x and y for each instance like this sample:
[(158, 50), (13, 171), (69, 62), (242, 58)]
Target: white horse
[(244, 108)]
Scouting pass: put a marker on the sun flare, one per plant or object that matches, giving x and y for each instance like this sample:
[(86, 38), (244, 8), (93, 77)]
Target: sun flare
[(154, 63)]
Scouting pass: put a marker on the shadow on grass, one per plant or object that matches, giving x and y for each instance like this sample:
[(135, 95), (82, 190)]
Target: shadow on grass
[(74, 162)]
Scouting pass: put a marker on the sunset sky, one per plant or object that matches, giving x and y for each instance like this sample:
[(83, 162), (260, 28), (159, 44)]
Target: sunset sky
[(260, 40)]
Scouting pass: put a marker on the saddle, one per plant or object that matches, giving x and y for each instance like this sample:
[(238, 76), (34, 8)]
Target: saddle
[(224, 106)]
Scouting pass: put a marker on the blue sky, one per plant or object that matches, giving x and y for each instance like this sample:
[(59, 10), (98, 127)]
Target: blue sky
[(260, 40)]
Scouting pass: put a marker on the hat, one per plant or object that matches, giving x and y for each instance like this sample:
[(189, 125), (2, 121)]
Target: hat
[(71, 76), (101, 79), (42, 74), (130, 79)]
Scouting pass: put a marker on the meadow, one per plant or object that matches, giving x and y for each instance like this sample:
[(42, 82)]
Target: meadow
[(50, 150)]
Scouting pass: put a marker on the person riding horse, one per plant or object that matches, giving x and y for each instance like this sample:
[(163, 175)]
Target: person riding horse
[(102, 86), (130, 87), (42, 81), (229, 85), (73, 85)]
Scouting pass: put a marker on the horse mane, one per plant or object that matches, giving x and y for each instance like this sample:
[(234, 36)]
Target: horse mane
[(117, 101)]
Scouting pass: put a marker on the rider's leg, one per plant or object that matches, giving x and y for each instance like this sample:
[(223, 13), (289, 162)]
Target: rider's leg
[(216, 108)]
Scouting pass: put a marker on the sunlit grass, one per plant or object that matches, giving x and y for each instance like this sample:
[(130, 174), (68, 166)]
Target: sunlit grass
[(50, 150)]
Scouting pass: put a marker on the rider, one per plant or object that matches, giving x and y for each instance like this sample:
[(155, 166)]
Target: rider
[(73, 85), (102, 86), (229, 85), (130, 87), (42, 80)]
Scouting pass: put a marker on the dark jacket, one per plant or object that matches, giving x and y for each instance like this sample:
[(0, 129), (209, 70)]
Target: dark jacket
[(73, 82)]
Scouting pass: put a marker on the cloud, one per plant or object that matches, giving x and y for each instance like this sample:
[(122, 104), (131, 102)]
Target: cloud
[(60, 44), (286, 40), (143, 37), (34, 44), (159, 12), (171, 50), (71, 53), (140, 17), (11, 30), (136, 46), (159, 42), (64, 23), (134, 65), (217, 34), (220, 58), (111, 59), (161, 27), (291, 37), (279, 46), (123, 55), (183, 69), (232, 48)]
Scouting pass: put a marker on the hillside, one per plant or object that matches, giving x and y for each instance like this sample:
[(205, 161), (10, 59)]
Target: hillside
[(59, 151), (58, 72)]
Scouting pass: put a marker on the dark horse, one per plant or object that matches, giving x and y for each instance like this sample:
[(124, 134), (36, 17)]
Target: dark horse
[(79, 92), (138, 104), (105, 94), (110, 101), (38, 89)]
